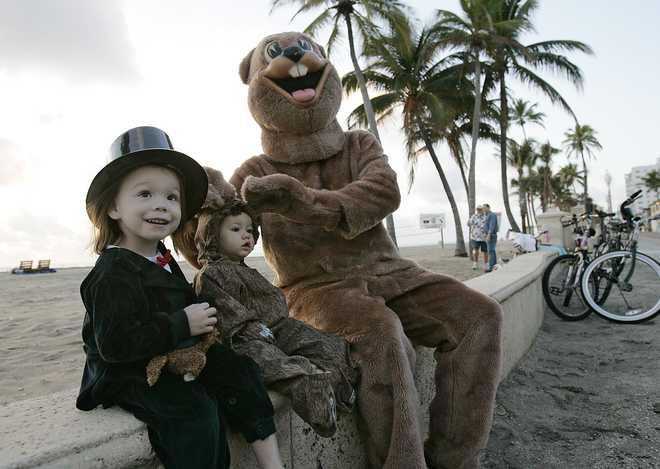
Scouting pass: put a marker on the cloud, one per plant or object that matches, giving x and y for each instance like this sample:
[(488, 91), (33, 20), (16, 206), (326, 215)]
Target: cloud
[(12, 169), (30, 225), (83, 40)]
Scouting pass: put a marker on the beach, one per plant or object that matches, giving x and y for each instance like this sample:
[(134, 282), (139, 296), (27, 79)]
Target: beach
[(42, 315)]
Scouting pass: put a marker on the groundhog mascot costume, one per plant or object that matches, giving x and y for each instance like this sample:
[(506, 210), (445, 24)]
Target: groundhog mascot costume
[(321, 194)]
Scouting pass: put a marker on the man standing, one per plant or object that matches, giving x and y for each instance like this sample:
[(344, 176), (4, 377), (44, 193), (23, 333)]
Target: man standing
[(476, 225), (491, 232)]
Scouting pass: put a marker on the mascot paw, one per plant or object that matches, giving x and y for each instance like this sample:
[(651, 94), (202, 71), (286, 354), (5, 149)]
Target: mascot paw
[(273, 193)]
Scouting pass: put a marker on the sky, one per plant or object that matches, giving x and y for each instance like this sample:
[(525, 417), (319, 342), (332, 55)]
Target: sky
[(75, 74)]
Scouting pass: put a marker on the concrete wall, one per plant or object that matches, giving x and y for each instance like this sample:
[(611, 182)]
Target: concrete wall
[(48, 432)]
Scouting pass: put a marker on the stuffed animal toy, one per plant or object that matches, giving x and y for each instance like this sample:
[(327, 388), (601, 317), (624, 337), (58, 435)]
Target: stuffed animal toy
[(187, 362), (321, 194), (310, 367)]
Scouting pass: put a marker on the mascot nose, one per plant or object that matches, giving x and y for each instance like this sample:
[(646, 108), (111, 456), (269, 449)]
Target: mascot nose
[(293, 53)]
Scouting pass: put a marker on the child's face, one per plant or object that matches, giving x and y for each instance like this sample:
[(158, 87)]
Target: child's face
[(147, 208), (236, 237)]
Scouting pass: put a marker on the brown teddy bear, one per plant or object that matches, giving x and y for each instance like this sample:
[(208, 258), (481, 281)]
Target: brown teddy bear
[(187, 362), (321, 194)]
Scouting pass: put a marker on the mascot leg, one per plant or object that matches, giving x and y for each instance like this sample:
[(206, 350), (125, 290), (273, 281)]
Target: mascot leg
[(464, 326), (387, 398)]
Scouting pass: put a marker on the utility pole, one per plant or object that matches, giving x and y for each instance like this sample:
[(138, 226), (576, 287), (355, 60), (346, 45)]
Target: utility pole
[(608, 181)]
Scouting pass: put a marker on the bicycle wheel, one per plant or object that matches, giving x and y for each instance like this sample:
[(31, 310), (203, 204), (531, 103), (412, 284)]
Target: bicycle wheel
[(630, 300), (561, 289)]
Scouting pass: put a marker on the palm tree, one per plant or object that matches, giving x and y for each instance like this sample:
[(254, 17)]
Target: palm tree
[(511, 58), (427, 92), (522, 156), (473, 35), (563, 187), (581, 139), (365, 14), (546, 154), (652, 180), (523, 113)]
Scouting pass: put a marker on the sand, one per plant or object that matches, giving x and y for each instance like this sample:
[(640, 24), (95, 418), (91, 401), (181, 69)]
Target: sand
[(42, 314)]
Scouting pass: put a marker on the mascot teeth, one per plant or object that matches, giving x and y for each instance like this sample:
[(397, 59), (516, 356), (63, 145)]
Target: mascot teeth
[(298, 70)]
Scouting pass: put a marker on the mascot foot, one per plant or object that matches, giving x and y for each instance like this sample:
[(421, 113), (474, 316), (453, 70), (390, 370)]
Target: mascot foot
[(314, 401)]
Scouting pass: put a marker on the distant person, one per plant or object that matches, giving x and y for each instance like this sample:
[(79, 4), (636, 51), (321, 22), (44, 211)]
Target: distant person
[(491, 232), (311, 368), (477, 226), (139, 305)]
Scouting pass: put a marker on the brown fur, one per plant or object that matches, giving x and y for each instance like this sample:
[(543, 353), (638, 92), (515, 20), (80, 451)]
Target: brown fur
[(189, 361), (322, 194)]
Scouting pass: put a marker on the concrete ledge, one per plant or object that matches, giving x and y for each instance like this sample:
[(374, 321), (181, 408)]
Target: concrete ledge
[(48, 432)]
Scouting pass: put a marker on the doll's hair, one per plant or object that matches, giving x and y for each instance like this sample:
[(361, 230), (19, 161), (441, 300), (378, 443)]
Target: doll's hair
[(106, 230)]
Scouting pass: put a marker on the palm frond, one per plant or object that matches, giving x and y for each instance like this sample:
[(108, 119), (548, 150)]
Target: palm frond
[(532, 79), (318, 23)]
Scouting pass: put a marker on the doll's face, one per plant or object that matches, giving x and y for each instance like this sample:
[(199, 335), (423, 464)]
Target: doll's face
[(147, 208), (236, 236)]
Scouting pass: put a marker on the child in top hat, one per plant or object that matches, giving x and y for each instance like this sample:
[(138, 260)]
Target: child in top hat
[(312, 368), (139, 305)]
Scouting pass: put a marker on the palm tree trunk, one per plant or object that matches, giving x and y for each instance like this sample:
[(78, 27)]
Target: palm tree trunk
[(545, 201), (504, 109), (368, 109), (460, 241), (465, 181), (533, 210), (584, 170), (522, 201), (476, 123)]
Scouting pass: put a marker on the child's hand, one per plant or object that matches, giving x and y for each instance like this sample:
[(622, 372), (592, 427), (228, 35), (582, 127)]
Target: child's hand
[(201, 318)]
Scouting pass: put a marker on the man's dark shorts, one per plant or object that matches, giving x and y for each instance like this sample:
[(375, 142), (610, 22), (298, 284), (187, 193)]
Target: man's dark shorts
[(480, 245)]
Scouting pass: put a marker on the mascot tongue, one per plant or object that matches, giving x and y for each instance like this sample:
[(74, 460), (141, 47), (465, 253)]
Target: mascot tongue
[(304, 95)]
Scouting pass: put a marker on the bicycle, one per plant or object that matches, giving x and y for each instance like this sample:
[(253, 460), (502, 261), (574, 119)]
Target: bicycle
[(561, 279), (630, 277)]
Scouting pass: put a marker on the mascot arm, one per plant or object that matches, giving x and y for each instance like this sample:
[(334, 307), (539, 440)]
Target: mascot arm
[(351, 210), (366, 201), (232, 315)]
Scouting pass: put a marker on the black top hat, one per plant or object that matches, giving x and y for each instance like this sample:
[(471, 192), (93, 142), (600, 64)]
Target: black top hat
[(149, 145)]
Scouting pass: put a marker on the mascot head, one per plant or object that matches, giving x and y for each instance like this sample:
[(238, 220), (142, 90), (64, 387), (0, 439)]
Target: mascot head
[(292, 87)]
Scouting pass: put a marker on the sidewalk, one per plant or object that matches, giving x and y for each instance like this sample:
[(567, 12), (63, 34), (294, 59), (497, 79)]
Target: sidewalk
[(587, 395)]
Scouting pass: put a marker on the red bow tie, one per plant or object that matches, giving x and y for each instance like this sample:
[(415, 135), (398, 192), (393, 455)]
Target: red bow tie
[(164, 259)]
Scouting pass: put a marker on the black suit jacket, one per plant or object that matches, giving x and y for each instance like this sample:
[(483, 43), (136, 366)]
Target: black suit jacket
[(134, 311)]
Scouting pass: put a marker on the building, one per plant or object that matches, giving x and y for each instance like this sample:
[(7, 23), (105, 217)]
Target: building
[(635, 182)]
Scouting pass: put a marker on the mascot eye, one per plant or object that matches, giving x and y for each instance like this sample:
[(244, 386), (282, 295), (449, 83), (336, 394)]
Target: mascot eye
[(304, 44), (273, 50)]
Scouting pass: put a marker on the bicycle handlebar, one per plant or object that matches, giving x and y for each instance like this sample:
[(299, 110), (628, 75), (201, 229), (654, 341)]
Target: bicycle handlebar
[(636, 195)]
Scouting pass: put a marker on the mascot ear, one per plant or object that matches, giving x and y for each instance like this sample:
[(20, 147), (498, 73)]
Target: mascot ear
[(244, 69)]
